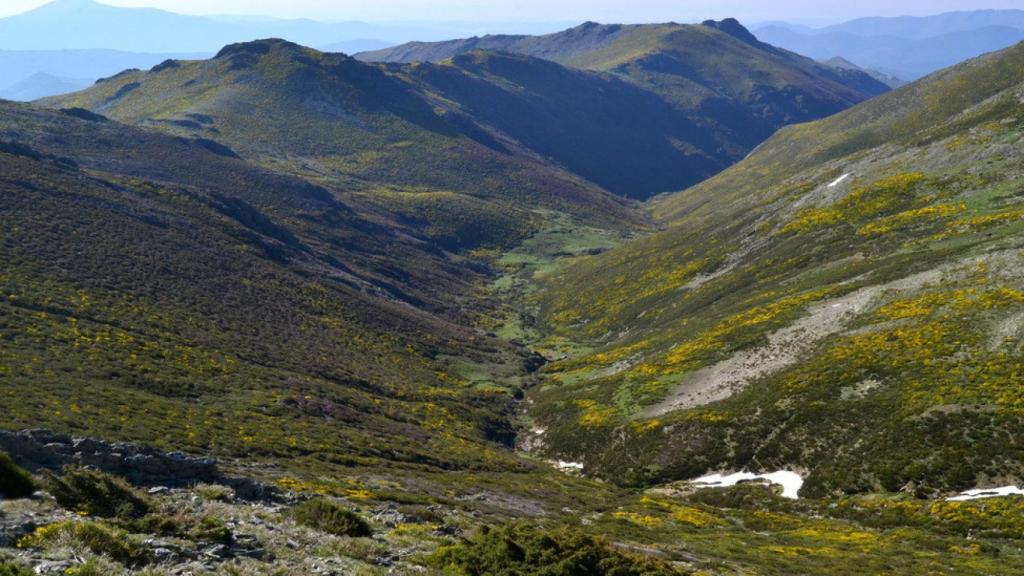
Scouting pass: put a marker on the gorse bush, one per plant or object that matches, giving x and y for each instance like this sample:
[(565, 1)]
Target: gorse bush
[(97, 494), (324, 515), (14, 482), (521, 550), (92, 536)]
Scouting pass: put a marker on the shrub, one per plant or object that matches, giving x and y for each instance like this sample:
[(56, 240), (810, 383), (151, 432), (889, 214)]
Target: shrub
[(521, 550), (14, 482), (212, 529), (92, 536), (97, 494), (324, 515), (7, 569), (215, 492)]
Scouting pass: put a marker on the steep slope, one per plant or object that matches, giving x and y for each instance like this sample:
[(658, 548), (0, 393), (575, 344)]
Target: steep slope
[(847, 302), (159, 289), (718, 71), (363, 128)]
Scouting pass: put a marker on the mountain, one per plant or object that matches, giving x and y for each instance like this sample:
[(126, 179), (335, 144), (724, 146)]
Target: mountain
[(87, 24), (520, 116), (356, 46), (19, 65), (225, 309), (921, 27), (285, 312), (736, 88), (907, 47), (396, 137), (845, 303), (844, 64), (42, 85)]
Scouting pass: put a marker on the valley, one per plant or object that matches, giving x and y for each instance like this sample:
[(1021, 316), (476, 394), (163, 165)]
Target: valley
[(490, 307)]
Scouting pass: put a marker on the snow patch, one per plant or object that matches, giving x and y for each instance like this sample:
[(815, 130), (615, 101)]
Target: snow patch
[(569, 466), (839, 180), (791, 482), (987, 493)]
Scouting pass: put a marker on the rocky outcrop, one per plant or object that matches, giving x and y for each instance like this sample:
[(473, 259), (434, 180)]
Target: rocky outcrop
[(39, 450)]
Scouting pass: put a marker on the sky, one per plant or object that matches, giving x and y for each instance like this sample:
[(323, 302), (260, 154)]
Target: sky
[(803, 11)]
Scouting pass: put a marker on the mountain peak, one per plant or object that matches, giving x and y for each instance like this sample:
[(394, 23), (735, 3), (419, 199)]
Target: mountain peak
[(255, 47), (732, 27)]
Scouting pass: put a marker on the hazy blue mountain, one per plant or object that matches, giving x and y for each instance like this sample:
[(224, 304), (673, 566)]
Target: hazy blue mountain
[(17, 66), (356, 46), (905, 58), (41, 85), (914, 27), (82, 24), (841, 63)]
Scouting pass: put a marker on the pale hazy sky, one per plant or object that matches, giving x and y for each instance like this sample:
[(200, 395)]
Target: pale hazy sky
[(541, 10)]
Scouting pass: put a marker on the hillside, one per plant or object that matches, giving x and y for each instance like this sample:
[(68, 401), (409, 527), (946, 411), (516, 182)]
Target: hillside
[(717, 73), (845, 303), (373, 132), (158, 289), (383, 318)]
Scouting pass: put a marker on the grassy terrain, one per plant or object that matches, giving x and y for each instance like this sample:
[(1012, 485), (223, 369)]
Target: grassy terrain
[(366, 284), (865, 331), (158, 292)]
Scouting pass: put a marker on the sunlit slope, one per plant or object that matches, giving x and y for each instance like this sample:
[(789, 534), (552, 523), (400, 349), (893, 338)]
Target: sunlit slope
[(154, 290), (848, 302), (364, 129)]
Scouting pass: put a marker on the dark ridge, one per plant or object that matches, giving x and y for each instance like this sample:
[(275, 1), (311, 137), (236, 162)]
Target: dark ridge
[(732, 27), (216, 147), (123, 91), (165, 65), (83, 114), (254, 48), (118, 75), (24, 151), (201, 118), (18, 149)]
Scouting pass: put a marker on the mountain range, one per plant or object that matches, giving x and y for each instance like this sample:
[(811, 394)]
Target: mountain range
[(631, 300), (905, 47), (561, 136)]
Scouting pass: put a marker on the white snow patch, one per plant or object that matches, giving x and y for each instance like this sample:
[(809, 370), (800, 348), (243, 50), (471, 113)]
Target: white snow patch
[(563, 465), (987, 493), (839, 180), (791, 482)]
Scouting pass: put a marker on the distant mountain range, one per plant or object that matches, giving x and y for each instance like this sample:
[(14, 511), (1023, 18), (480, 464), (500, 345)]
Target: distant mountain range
[(38, 68), (905, 47), (86, 24), (40, 85)]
